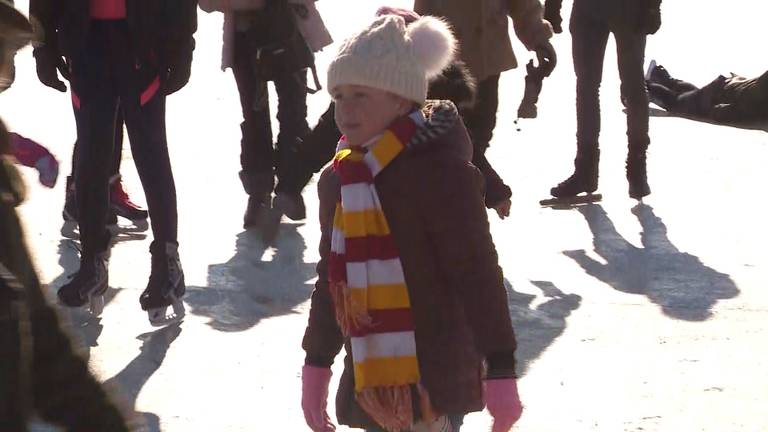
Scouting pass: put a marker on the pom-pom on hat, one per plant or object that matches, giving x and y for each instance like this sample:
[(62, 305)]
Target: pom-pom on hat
[(390, 56)]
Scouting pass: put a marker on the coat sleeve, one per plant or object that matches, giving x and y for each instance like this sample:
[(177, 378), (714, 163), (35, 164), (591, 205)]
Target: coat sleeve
[(528, 20), (466, 256), (323, 339), (181, 21), (44, 14)]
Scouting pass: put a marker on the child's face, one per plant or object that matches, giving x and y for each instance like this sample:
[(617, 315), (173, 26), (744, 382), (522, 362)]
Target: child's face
[(363, 112)]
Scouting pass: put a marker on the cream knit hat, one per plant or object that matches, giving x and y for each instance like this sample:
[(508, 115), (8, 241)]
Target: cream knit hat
[(389, 56)]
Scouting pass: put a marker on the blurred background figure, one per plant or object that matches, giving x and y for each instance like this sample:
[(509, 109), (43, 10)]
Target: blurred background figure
[(40, 375)]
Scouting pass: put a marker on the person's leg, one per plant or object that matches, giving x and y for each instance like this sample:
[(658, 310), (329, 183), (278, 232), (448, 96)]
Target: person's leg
[(480, 121), (147, 134), (589, 37), (630, 49), (95, 104), (292, 114), (120, 202), (315, 151), (257, 152)]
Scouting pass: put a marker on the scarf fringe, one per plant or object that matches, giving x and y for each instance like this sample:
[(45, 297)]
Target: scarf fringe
[(390, 407), (349, 314)]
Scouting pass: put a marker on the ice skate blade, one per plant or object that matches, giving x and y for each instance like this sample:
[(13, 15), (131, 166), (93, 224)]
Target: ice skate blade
[(159, 318), (568, 202)]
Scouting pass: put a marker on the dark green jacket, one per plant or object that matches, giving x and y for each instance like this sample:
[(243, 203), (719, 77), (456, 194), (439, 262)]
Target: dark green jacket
[(37, 362), (742, 100)]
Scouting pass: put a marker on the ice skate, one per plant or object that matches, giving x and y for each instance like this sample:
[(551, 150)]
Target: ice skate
[(88, 285), (576, 189), (165, 287), (121, 205)]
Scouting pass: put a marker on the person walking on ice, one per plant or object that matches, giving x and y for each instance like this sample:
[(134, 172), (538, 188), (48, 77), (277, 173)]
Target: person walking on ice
[(408, 279)]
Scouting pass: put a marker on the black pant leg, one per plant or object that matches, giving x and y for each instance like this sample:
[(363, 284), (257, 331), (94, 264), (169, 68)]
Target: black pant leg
[(589, 37), (257, 150), (630, 47), (292, 114), (95, 109)]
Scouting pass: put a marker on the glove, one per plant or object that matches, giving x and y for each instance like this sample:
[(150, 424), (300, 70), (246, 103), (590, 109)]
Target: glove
[(503, 402), (48, 171), (652, 21), (547, 57), (177, 76), (31, 154), (49, 65), (314, 398)]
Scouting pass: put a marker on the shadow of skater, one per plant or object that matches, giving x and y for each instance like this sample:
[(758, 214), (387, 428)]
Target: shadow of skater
[(536, 328), (246, 289), (127, 384), (678, 282)]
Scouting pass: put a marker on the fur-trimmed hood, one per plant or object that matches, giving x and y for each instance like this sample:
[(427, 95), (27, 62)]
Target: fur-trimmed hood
[(455, 84), (443, 130)]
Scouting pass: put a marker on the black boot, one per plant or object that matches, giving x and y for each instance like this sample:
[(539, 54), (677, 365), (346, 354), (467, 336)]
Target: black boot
[(291, 205), (583, 179), (166, 285), (69, 214), (88, 284), (637, 177), (258, 186)]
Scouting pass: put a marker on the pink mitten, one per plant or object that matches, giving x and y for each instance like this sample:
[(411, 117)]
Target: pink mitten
[(314, 397), (503, 402), (31, 154)]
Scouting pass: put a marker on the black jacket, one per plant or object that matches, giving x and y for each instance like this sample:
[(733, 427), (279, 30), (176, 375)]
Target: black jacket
[(161, 30)]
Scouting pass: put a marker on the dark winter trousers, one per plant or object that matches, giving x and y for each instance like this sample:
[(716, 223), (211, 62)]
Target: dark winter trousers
[(258, 156), (117, 157), (589, 34), (105, 76), (480, 121)]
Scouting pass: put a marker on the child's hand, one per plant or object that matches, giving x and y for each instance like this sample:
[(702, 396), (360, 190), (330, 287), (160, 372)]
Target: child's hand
[(503, 208), (31, 154), (314, 398), (48, 170), (503, 402)]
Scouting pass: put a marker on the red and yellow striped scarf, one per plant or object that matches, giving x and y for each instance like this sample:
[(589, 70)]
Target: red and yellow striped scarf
[(367, 283)]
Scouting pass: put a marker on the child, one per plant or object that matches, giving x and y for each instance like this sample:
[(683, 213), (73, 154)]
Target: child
[(408, 277)]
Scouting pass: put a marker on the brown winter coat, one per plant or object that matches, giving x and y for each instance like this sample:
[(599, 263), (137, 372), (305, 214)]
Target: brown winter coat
[(432, 199), (481, 28)]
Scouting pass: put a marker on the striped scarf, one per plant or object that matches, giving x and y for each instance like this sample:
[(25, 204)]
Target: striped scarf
[(367, 283)]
